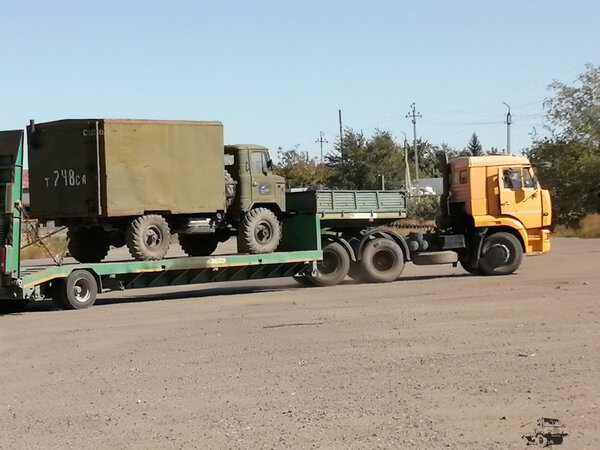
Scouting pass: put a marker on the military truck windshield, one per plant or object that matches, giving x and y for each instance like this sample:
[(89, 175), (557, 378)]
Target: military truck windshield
[(258, 162)]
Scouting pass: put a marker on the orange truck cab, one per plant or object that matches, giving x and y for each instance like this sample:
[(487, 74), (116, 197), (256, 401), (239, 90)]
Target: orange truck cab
[(497, 203)]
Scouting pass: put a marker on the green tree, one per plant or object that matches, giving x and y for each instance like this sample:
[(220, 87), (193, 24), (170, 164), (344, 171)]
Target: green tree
[(568, 162), (359, 162), (574, 111), (298, 170), (474, 147)]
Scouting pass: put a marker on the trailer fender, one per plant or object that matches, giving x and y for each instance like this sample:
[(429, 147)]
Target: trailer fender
[(387, 234), (326, 238)]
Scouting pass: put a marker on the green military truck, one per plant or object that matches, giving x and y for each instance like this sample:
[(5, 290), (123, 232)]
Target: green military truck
[(134, 182)]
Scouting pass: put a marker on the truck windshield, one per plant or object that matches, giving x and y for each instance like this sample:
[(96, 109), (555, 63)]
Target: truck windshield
[(258, 162)]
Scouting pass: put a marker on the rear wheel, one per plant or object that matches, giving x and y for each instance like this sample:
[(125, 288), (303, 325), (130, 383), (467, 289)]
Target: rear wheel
[(501, 254), (356, 272), (334, 266), (382, 260), (198, 244), (78, 291), (88, 245), (148, 237)]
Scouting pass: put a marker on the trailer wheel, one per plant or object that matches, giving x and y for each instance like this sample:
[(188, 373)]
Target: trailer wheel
[(501, 254), (260, 232), (148, 237), (79, 291), (333, 268), (88, 245), (198, 244), (382, 260), (356, 272), (303, 280)]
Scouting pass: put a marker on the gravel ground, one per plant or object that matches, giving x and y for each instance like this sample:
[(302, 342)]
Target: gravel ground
[(438, 359)]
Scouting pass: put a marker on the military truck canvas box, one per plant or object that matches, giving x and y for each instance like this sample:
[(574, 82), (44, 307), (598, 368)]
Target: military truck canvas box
[(114, 168)]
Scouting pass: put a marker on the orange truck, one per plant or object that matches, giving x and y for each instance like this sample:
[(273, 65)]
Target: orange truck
[(497, 203)]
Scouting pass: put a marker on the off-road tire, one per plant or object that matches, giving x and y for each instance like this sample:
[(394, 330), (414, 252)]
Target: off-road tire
[(501, 254), (148, 237), (78, 291), (333, 268), (230, 189), (260, 232), (88, 245), (382, 260), (198, 244), (541, 440), (303, 280)]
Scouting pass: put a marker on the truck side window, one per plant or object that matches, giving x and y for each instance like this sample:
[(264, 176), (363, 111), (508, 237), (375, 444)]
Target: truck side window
[(528, 180), (512, 178), (462, 177), (258, 163)]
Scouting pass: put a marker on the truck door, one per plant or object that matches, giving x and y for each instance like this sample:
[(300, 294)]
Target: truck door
[(263, 189), (520, 195)]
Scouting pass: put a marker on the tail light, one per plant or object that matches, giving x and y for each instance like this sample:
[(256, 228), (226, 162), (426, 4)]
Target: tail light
[(2, 259)]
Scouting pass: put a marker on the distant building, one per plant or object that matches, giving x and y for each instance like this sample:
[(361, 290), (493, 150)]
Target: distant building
[(429, 186)]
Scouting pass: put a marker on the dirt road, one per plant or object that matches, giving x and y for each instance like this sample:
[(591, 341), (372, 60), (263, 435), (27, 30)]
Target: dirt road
[(438, 359)]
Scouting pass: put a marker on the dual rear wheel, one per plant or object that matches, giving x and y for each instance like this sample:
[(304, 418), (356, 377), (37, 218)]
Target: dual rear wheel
[(382, 260)]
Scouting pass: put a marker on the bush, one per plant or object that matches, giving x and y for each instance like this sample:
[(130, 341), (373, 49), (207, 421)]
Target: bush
[(422, 208)]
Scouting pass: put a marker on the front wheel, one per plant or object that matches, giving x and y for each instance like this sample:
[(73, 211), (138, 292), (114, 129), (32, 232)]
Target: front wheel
[(501, 254), (260, 232)]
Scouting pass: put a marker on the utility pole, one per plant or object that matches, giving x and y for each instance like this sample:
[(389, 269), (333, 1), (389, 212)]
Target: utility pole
[(508, 122), (321, 141), (341, 135), (414, 116), (406, 167)]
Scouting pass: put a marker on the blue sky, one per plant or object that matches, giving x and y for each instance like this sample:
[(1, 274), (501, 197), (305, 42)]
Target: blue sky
[(277, 72)]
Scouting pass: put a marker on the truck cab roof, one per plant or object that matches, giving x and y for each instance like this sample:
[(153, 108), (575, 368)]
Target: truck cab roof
[(490, 160)]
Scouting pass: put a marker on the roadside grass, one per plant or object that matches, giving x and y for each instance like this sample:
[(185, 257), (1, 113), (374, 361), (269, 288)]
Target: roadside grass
[(588, 227)]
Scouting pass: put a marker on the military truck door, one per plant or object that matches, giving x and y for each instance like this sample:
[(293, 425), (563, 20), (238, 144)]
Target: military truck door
[(263, 188), (520, 196)]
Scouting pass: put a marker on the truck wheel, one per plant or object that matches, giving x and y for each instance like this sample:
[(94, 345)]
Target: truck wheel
[(334, 266), (382, 260), (356, 272), (303, 280), (260, 232), (88, 245), (541, 440), (148, 238), (465, 265), (230, 189), (198, 244), (501, 254), (79, 291)]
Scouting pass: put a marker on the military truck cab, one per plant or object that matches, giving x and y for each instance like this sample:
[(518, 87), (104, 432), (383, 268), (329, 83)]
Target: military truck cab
[(256, 185)]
